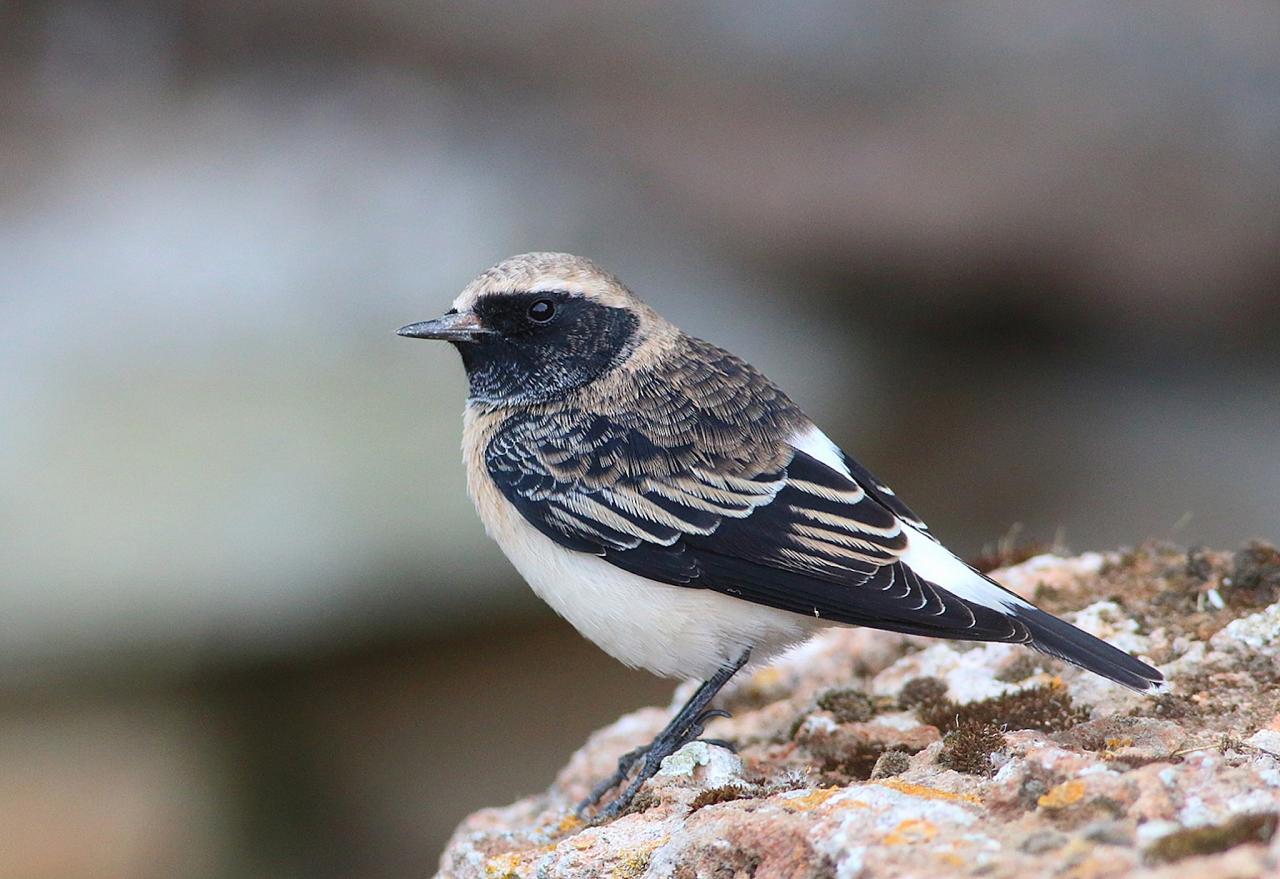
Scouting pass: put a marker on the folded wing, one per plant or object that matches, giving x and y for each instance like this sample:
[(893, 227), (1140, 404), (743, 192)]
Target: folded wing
[(804, 536), (792, 524)]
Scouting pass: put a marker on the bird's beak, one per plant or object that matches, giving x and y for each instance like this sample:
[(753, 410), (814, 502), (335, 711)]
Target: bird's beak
[(453, 327)]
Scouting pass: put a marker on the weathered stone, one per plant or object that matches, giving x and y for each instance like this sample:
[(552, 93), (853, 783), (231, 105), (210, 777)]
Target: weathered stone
[(1105, 784)]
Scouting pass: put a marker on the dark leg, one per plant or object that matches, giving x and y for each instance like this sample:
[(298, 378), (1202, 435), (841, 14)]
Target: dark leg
[(685, 727)]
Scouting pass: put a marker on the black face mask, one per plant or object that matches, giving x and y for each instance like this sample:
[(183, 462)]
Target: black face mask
[(543, 345)]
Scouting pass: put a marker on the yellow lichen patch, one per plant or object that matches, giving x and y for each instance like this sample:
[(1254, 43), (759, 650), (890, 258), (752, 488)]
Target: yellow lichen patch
[(570, 823), (511, 864), (951, 859), (912, 831), (636, 861), (926, 793), (502, 866), (813, 800), (1115, 744), (1066, 794)]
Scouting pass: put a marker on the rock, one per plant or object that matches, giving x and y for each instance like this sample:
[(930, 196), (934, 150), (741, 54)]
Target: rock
[(1108, 833), (1256, 632), (1042, 841), (848, 763), (856, 747), (1265, 740)]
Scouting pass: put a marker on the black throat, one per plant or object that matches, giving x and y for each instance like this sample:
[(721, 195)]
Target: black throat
[(523, 362)]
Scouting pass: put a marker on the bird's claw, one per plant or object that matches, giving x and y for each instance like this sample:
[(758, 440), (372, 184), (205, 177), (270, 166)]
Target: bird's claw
[(709, 715), (720, 743)]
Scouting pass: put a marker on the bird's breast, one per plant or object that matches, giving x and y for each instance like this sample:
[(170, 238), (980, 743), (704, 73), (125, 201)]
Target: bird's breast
[(479, 425), (673, 631)]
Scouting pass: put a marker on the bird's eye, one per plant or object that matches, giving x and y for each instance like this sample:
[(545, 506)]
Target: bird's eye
[(542, 311)]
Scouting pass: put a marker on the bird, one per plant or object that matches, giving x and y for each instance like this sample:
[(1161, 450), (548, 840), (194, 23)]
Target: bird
[(682, 512)]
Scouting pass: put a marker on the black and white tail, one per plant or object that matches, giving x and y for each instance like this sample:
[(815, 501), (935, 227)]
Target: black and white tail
[(1061, 640), (1030, 625)]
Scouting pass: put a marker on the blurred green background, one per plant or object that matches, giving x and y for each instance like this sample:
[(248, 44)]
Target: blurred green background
[(1021, 259)]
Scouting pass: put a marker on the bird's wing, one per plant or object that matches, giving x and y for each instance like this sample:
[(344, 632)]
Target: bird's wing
[(818, 445), (801, 533), (792, 524)]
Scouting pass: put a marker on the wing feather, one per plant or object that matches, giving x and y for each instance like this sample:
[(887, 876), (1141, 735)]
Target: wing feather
[(803, 536)]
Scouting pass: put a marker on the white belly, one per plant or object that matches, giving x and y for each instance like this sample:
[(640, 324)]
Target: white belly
[(673, 631)]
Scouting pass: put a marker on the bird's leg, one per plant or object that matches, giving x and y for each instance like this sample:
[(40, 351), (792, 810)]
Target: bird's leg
[(685, 727), (625, 764), (628, 760), (682, 720)]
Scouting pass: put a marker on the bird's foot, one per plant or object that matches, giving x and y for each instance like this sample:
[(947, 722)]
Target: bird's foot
[(685, 727), (650, 757), (625, 764)]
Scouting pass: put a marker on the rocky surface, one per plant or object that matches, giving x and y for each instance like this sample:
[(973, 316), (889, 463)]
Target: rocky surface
[(867, 754)]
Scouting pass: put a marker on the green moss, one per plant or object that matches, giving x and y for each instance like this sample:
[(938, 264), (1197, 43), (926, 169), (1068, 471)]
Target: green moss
[(891, 763), (848, 706), (1199, 567), (1047, 708), (1167, 705), (968, 747), (920, 692), (1211, 840), (723, 794), (1255, 578), (1026, 665), (854, 763), (643, 802)]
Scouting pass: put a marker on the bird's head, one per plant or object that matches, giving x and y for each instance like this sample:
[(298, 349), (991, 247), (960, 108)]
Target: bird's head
[(539, 325)]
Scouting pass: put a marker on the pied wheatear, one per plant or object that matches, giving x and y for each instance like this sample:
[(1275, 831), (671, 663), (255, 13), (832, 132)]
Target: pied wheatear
[(681, 511)]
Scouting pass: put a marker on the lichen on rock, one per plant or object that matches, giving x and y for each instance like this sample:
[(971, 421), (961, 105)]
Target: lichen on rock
[(868, 754)]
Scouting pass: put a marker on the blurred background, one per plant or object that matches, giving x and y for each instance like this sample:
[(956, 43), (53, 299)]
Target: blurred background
[(1022, 260)]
